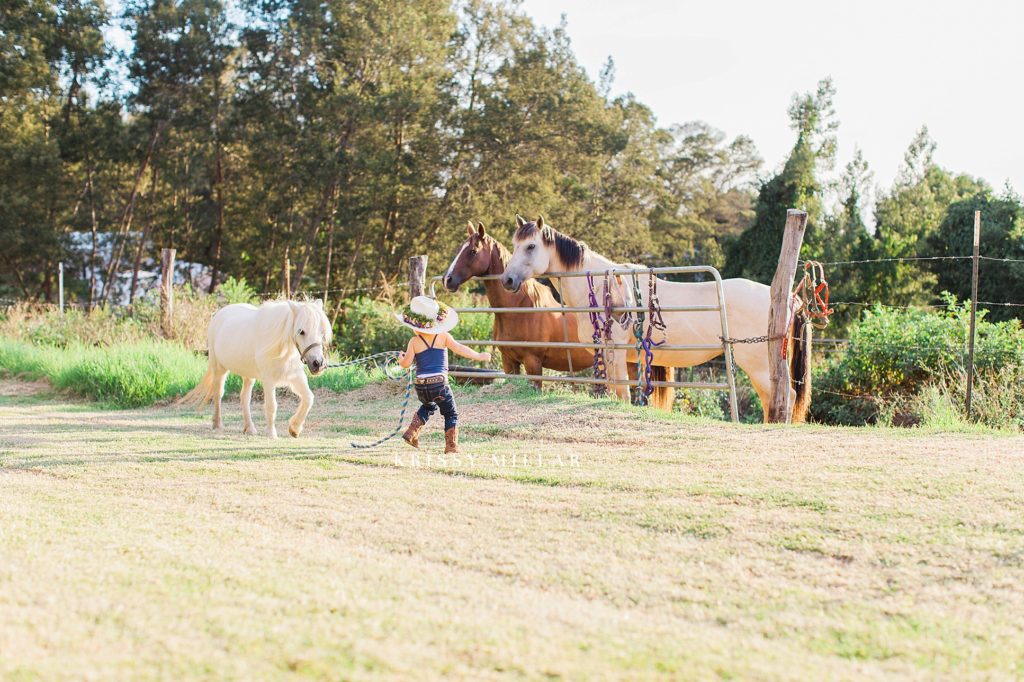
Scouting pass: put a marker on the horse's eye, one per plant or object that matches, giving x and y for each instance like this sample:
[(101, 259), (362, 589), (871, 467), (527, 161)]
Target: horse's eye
[(531, 247)]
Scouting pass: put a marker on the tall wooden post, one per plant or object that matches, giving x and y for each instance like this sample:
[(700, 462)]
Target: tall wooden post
[(780, 410), (286, 278), (166, 290), (417, 276), (974, 308), (60, 285)]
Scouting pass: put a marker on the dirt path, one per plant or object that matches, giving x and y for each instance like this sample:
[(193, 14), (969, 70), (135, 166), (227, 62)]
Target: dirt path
[(572, 539)]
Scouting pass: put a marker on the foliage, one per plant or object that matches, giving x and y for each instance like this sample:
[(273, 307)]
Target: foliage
[(368, 326), (236, 291), (342, 136), (754, 254), (1002, 236), (894, 354)]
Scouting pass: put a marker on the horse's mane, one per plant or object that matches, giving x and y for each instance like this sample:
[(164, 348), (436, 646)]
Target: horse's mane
[(282, 309), (570, 251)]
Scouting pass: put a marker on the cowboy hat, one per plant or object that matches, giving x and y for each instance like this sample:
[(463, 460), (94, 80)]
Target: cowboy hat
[(425, 315)]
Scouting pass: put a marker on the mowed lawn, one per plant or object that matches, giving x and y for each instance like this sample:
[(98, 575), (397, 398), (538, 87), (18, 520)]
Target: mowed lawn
[(138, 544)]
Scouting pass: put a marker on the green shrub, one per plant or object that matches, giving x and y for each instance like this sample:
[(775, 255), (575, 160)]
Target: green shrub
[(896, 360), (367, 326)]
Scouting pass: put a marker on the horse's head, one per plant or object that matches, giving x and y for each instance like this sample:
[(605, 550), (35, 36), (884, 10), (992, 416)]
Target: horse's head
[(530, 256), (472, 260), (311, 332), (539, 249)]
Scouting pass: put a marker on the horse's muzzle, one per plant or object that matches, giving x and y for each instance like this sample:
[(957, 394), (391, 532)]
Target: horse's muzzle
[(452, 284), (511, 283), (317, 366)]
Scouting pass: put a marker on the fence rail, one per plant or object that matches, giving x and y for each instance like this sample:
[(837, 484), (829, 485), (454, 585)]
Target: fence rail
[(728, 385)]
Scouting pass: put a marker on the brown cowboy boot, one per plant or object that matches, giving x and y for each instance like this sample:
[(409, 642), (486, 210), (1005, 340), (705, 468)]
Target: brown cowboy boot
[(412, 434), (451, 440)]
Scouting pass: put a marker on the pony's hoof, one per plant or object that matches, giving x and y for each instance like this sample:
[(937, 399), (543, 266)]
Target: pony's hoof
[(272, 434), (249, 430), (294, 431)]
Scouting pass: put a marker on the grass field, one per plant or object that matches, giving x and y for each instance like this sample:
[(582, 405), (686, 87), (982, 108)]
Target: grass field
[(617, 543)]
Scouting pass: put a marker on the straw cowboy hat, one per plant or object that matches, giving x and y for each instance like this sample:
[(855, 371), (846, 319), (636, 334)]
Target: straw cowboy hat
[(424, 314)]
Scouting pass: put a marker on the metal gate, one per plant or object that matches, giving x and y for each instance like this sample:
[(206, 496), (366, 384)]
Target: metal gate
[(729, 385)]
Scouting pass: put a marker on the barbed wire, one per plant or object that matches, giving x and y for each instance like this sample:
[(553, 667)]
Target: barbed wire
[(889, 260), (347, 290)]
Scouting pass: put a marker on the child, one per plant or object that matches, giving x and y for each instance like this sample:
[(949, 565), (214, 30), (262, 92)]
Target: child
[(431, 322)]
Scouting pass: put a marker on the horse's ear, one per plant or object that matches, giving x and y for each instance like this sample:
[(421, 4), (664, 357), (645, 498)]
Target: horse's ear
[(469, 228), (294, 307), (540, 222), (480, 230), (319, 303), (519, 220)]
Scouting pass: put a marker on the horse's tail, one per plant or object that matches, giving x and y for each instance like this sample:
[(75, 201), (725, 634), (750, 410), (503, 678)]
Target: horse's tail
[(204, 390), (800, 367), (663, 396)]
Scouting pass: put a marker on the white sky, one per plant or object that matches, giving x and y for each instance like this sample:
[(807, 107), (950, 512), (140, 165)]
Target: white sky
[(956, 66)]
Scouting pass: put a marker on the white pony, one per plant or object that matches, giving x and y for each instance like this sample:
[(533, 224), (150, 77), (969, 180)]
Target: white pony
[(539, 249), (269, 344)]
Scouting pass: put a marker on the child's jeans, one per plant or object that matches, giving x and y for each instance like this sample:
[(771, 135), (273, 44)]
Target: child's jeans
[(434, 396)]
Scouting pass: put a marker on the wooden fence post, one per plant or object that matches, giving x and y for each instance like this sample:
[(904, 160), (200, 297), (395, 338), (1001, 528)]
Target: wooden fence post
[(417, 276), (974, 308), (166, 290), (286, 278), (60, 285), (780, 410)]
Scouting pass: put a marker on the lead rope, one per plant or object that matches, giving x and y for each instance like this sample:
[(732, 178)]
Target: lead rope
[(638, 333), (600, 370), (375, 360), (654, 321)]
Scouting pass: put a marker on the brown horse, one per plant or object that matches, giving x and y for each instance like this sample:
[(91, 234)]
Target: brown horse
[(481, 254)]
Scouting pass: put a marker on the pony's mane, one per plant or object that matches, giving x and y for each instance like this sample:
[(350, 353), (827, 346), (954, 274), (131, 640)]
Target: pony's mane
[(309, 307), (570, 251)]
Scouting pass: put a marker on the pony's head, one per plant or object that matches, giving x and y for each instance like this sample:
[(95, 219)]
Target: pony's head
[(539, 249), (472, 259), (311, 332)]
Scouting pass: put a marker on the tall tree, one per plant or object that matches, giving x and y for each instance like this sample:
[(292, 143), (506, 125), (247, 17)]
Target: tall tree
[(798, 185)]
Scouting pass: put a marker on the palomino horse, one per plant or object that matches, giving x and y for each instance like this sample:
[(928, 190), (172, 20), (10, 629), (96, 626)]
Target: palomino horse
[(481, 254), (269, 343), (539, 249)]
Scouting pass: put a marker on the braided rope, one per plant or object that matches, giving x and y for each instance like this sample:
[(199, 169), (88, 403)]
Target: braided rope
[(638, 333), (600, 370), (375, 360)]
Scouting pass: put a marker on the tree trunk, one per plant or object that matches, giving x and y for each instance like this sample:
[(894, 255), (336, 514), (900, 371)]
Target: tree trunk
[(330, 253), (92, 250), (129, 211), (137, 262), (218, 192)]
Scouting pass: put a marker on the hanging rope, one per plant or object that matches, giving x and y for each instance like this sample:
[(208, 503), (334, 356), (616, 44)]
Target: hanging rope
[(638, 334), (380, 361), (600, 370), (813, 292), (645, 343)]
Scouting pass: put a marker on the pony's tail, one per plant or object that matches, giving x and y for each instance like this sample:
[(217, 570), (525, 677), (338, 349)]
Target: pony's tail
[(204, 390), (800, 367), (663, 396)]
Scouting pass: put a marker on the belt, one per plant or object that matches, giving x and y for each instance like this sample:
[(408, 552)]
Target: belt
[(438, 379)]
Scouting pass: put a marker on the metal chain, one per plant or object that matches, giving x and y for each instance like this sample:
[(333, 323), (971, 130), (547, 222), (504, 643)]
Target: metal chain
[(375, 360)]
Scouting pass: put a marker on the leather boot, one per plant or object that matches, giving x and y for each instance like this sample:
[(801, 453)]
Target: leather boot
[(451, 440), (412, 434)]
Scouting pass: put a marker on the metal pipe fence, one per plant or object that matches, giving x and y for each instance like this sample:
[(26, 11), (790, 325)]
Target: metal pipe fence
[(728, 385)]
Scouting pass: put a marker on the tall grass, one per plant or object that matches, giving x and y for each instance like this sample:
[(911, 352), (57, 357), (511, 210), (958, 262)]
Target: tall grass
[(136, 374)]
